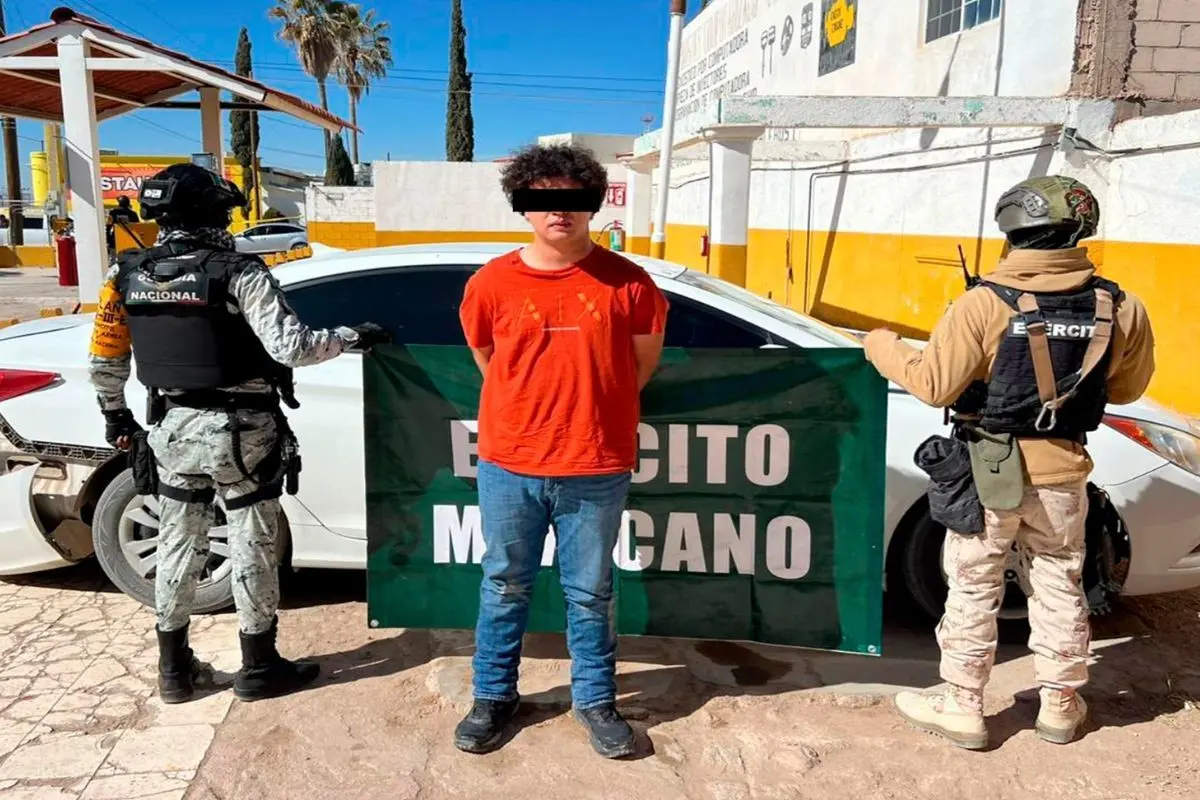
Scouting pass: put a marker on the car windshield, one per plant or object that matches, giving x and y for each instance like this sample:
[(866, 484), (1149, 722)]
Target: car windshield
[(762, 305)]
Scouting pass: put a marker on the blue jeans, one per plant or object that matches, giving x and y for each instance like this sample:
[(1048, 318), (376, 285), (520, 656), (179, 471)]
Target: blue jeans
[(517, 512)]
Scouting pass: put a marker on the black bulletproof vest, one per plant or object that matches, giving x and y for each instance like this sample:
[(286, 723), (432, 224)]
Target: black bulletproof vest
[(184, 334), (1008, 402)]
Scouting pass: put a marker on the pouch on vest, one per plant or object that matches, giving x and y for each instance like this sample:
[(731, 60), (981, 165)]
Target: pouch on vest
[(953, 497), (143, 464), (998, 469)]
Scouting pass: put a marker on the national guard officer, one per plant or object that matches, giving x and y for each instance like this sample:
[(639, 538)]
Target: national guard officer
[(1027, 359), (215, 343)]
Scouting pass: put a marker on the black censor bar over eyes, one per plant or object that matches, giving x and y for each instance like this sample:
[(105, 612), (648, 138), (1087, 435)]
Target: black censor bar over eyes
[(557, 200)]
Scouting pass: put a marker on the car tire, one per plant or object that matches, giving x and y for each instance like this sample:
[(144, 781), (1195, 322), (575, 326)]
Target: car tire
[(299, 245), (123, 527), (1105, 564)]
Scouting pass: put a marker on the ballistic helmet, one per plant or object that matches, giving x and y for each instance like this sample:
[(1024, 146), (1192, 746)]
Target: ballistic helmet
[(1054, 211), (189, 196)]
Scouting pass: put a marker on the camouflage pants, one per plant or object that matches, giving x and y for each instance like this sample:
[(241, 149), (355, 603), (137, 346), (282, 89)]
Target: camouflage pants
[(194, 450), (1048, 529)]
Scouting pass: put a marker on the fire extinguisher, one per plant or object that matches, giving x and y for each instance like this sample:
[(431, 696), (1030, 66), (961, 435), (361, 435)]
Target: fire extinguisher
[(68, 266), (616, 238)]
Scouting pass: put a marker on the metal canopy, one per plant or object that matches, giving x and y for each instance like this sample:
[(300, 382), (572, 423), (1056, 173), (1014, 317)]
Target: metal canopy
[(79, 71)]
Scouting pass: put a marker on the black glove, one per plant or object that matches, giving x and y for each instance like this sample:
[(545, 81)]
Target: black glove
[(369, 335), (117, 423)]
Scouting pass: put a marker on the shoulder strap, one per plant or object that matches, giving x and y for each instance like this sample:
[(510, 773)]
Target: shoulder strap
[(1039, 348), (1009, 295), (229, 262), (1043, 367), (1101, 336)]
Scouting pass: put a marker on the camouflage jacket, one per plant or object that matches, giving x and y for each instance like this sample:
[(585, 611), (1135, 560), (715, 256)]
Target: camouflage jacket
[(259, 299)]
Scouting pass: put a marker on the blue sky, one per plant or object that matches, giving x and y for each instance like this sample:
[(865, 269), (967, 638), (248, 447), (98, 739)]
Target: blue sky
[(540, 67)]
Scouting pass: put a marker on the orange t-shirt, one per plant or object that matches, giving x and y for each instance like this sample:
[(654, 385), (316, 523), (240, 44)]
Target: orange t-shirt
[(560, 397)]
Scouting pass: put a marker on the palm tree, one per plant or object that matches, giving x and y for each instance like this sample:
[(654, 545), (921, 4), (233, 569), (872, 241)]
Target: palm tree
[(365, 54), (313, 28)]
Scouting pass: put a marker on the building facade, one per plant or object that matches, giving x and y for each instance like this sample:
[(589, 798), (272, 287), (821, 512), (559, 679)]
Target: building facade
[(864, 225)]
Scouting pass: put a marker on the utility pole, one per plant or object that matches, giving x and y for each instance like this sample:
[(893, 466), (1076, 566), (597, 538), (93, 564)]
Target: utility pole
[(12, 160), (658, 240)]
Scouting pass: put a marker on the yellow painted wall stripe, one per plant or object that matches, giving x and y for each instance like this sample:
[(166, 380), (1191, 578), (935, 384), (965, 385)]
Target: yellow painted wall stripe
[(866, 280), (27, 256), (729, 262)]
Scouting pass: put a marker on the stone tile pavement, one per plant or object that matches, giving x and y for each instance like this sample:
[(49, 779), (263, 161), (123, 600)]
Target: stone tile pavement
[(79, 715)]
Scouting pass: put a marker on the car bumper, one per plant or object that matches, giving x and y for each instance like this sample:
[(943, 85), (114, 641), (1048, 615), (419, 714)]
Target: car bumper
[(1161, 511), (23, 545)]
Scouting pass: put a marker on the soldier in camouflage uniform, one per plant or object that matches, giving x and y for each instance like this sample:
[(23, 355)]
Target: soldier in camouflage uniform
[(1028, 360), (215, 343)]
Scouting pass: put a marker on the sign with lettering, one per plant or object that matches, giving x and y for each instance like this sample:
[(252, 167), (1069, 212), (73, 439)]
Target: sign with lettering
[(118, 180), (764, 47), (839, 34), (756, 511), (616, 195)]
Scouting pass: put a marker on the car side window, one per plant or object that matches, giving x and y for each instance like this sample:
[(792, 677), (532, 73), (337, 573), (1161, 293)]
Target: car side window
[(418, 305), (693, 324)]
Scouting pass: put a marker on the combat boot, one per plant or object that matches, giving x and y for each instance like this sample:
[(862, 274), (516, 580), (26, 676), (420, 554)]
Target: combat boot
[(1060, 716), (178, 668), (265, 673), (943, 714)]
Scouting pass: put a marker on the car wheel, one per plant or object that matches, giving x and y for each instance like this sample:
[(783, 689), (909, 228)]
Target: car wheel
[(1105, 565), (299, 245), (125, 537)]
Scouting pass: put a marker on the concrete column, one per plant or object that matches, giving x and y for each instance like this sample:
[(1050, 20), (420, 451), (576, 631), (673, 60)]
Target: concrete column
[(639, 210), (82, 139), (730, 154), (210, 125)]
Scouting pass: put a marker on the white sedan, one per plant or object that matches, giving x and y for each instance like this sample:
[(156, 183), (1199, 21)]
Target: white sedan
[(65, 495)]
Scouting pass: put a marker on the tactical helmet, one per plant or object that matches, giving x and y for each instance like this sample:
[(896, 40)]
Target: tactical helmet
[(1055, 205), (189, 196)]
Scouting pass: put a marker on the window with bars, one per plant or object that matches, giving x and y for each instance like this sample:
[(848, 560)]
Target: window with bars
[(946, 17)]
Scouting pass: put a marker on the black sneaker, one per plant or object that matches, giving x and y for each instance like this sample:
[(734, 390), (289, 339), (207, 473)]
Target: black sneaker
[(610, 734), (483, 728)]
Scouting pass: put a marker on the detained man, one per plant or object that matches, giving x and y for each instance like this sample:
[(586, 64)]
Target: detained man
[(566, 334)]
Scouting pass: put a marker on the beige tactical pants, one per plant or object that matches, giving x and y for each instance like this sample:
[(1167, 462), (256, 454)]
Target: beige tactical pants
[(1049, 527)]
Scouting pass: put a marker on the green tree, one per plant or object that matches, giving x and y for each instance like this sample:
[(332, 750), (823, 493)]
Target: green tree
[(339, 172), (244, 124), (313, 28), (460, 125), (366, 54)]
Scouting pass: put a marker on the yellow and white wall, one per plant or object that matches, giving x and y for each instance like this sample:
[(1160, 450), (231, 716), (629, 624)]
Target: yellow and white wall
[(874, 240), (416, 202)]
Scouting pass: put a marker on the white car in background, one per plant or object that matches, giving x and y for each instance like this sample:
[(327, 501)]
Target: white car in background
[(271, 237), (65, 495)]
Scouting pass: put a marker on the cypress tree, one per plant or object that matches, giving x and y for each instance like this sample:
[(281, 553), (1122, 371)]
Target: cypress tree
[(341, 171), (244, 124), (460, 125)]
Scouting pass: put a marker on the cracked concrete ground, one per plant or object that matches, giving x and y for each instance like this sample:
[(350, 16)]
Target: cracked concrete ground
[(79, 717)]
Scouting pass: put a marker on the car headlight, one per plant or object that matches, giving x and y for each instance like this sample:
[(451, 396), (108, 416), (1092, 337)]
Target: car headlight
[(1179, 447)]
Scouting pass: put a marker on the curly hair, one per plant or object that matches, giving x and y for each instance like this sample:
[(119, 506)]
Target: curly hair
[(540, 162)]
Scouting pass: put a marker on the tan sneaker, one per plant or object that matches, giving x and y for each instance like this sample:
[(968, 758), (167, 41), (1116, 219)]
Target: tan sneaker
[(1060, 716), (944, 715)]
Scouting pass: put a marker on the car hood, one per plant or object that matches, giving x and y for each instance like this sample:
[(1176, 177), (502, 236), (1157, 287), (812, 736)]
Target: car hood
[(44, 325)]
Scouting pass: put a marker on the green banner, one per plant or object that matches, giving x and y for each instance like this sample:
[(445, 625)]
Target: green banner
[(756, 511)]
